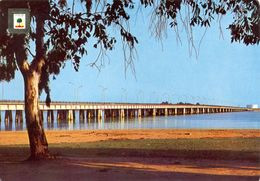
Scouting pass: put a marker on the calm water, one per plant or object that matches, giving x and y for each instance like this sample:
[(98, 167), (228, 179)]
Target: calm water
[(242, 120)]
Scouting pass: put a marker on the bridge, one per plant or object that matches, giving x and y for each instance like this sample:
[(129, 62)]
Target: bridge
[(99, 110)]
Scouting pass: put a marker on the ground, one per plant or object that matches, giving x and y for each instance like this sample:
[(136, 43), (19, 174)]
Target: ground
[(135, 155)]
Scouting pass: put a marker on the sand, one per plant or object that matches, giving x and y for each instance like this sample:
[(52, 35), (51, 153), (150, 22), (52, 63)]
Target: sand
[(116, 167), (11, 138)]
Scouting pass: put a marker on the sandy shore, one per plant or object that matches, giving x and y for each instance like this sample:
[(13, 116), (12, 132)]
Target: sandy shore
[(129, 155), (20, 137)]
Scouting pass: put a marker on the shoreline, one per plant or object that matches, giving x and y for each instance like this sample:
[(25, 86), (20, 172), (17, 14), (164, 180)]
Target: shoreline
[(78, 136)]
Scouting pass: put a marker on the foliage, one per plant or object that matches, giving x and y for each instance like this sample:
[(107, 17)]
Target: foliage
[(19, 20)]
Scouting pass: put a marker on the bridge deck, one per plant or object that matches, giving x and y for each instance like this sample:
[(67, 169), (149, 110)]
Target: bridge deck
[(19, 105)]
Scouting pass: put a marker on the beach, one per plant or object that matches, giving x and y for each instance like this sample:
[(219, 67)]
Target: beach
[(78, 136), (135, 155)]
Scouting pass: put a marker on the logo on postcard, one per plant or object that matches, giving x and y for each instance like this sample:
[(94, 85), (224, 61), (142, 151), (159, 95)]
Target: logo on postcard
[(19, 21)]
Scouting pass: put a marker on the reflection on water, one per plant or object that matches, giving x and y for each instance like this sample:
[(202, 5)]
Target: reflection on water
[(242, 120)]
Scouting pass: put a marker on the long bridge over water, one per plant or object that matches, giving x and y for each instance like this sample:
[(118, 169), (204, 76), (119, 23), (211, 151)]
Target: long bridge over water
[(89, 110)]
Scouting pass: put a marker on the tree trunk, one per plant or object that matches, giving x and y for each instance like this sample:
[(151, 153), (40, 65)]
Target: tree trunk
[(34, 122)]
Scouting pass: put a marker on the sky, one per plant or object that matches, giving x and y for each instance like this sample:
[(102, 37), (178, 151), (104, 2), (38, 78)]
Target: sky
[(224, 73)]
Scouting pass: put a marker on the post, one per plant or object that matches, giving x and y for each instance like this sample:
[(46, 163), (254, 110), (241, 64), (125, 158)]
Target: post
[(18, 116), (166, 112), (175, 111), (60, 115), (107, 113), (154, 112), (143, 112), (133, 112), (122, 113), (81, 115), (90, 114), (70, 115), (8, 116), (50, 116), (99, 116), (139, 113)]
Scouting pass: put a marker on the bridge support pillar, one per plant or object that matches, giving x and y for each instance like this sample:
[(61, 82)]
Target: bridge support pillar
[(88, 114), (114, 113), (143, 111), (99, 113), (122, 113), (191, 111), (82, 115), (165, 112), (198, 110), (61, 115), (107, 113), (170, 112), (8, 116), (50, 116), (18, 116), (133, 113), (175, 111), (184, 111), (139, 113), (154, 112), (70, 115)]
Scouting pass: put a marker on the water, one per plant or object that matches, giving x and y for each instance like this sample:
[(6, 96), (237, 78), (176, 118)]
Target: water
[(238, 120)]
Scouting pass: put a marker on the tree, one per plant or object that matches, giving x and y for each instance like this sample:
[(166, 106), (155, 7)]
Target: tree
[(62, 33), (19, 20)]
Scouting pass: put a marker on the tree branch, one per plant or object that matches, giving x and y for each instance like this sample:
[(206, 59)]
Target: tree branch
[(19, 45), (40, 56)]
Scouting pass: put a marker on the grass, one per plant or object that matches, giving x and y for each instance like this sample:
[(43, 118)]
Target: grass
[(220, 148)]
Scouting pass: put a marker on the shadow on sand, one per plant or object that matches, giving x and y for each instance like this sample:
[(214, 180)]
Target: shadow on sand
[(130, 164)]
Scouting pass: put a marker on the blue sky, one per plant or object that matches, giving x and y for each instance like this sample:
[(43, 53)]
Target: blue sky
[(223, 73)]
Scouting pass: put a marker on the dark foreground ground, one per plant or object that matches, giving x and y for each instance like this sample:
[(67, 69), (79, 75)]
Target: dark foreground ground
[(199, 159)]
